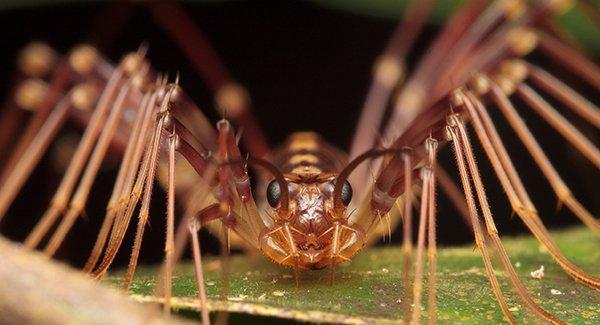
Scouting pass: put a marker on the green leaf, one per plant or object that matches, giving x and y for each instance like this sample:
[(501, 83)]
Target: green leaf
[(369, 287)]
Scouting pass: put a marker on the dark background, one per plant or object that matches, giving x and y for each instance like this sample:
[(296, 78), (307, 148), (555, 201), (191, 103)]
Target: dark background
[(305, 67)]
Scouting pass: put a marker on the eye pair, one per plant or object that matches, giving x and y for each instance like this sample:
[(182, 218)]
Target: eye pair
[(274, 193)]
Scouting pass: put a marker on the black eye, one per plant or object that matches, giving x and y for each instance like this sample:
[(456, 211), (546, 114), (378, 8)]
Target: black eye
[(346, 193), (274, 193)]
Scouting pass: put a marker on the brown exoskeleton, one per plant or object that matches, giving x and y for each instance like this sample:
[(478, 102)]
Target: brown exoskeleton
[(307, 215)]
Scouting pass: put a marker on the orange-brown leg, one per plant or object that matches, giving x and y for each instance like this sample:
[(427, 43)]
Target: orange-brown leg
[(418, 281), (131, 160), (525, 210), (197, 256), (464, 145), (407, 234), (479, 240), (558, 185), (91, 170), (31, 156), (131, 193), (564, 93), (61, 197), (558, 122), (431, 147), (169, 242), (145, 208)]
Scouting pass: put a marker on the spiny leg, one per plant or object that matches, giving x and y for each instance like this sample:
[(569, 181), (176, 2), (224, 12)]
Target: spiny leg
[(407, 233), (559, 123), (169, 242), (145, 208), (61, 197), (388, 73), (562, 92), (431, 147), (528, 215), (479, 240), (559, 187), (131, 160), (196, 253), (129, 197), (91, 170), (31, 156), (423, 216), (57, 84), (464, 144)]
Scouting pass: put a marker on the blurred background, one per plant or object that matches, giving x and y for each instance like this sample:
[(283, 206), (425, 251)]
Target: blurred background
[(307, 66)]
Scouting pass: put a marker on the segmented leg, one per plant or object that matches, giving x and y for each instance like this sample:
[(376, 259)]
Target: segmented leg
[(423, 216), (559, 187), (479, 240), (562, 92), (145, 208), (528, 215), (60, 200), (572, 59), (170, 240), (131, 159), (91, 169), (58, 82), (32, 155), (464, 145), (431, 147), (407, 234), (561, 124), (388, 73), (196, 253)]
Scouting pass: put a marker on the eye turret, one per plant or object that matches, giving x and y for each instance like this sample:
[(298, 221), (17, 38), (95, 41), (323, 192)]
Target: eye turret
[(274, 193)]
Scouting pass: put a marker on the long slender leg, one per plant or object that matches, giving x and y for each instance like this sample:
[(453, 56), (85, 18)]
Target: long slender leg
[(30, 158), (58, 83), (564, 93), (560, 188), (431, 147), (169, 242), (144, 210), (131, 160), (418, 281), (558, 122), (231, 97), (388, 72), (81, 194), (479, 241), (571, 58), (61, 197), (130, 194), (196, 253), (28, 96), (528, 216), (464, 144), (435, 67), (407, 234)]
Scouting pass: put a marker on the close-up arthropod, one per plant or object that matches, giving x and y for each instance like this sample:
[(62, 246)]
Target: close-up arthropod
[(306, 204)]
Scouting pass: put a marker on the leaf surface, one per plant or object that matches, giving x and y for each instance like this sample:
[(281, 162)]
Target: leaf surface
[(369, 288)]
